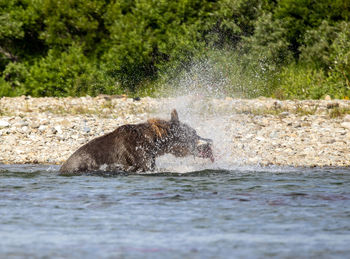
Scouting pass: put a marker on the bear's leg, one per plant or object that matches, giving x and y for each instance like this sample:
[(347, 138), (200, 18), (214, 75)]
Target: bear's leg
[(146, 163)]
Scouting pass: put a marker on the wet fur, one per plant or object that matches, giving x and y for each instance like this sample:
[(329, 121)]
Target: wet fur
[(134, 147)]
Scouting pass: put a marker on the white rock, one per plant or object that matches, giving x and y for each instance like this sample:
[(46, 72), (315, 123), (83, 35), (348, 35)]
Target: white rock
[(284, 114), (42, 128), (86, 129), (23, 123), (347, 118), (34, 125), (24, 129), (4, 124), (260, 138), (345, 125), (58, 129)]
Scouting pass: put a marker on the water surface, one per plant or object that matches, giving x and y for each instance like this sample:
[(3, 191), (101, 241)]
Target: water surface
[(245, 212)]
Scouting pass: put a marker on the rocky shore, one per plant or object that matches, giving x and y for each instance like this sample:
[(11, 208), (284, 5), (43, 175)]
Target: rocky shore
[(245, 132)]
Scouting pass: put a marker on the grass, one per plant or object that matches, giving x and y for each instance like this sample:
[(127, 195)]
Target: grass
[(277, 111), (261, 111), (107, 105), (338, 112), (333, 113), (62, 110), (299, 110), (4, 111), (109, 109)]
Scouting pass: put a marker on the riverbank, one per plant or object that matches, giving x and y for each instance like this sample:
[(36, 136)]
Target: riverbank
[(245, 132)]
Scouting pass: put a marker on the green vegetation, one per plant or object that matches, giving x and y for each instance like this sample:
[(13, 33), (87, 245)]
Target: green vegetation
[(248, 48)]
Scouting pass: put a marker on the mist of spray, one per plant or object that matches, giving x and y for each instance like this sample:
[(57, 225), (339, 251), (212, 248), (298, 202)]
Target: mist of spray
[(197, 94)]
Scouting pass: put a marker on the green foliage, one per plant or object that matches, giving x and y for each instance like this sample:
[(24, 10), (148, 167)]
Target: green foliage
[(20, 23), (233, 20), (67, 74), (325, 42), (285, 48), (302, 15), (70, 22), (340, 57), (220, 73), (15, 74), (5, 88), (240, 79), (148, 35), (298, 82), (327, 48), (268, 47)]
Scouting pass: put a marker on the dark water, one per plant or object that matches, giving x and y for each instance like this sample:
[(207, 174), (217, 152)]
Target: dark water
[(245, 213)]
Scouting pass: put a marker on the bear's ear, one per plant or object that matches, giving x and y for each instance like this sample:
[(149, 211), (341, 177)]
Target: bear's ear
[(174, 116)]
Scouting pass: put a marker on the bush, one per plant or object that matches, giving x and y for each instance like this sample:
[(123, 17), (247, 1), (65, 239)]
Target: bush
[(322, 42), (15, 74), (20, 25), (69, 22), (298, 82), (300, 16), (217, 74), (5, 88), (78, 47), (340, 57), (149, 35), (327, 48), (68, 74), (268, 47)]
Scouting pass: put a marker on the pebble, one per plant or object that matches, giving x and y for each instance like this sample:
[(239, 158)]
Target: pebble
[(87, 129), (42, 128), (24, 129), (345, 125), (57, 129), (53, 130), (36, 131), (4, 124), (284, 114)]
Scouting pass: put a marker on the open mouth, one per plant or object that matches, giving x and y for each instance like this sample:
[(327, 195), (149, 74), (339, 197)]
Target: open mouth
[(204, 149)]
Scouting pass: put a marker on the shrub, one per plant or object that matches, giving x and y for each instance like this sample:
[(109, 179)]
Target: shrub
[(299, 82), (300, 16), (5, 88), (148, 35), (68, 73), (252, 47), (218, 74), (268, 47), (328, 48), (14, 76)]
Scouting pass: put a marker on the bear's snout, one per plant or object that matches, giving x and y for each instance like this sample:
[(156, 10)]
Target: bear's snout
[(204, 149)]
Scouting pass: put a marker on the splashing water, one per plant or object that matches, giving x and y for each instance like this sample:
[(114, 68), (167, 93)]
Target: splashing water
[(211, 125), (204, 79), (197, 96)]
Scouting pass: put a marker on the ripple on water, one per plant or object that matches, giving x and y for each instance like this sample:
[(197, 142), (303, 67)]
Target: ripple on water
[(280, 212)]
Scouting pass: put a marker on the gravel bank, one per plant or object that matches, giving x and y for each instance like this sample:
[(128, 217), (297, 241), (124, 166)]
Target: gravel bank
[(245, 132)]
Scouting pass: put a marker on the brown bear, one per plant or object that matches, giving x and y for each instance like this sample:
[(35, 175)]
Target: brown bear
[(134, 148)]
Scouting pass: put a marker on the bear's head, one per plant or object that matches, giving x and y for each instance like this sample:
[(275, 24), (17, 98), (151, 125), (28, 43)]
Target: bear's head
[(185, 140)]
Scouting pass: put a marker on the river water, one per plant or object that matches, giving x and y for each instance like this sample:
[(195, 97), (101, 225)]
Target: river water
[(244, 212)]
